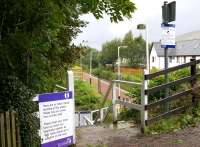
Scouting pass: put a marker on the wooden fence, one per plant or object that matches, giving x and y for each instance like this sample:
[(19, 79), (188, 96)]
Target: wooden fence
[(9, 130), (192, 79)]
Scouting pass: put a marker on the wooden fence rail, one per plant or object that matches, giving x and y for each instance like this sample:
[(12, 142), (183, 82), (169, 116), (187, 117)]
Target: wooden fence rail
[(192, 79), (9, 130)]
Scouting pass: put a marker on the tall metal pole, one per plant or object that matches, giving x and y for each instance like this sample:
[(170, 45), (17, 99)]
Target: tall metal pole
[(118, 75), (166, 79), (147, 50), (90, 67), (165, 11)]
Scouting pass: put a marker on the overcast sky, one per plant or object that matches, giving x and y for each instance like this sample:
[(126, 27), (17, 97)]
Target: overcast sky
[(149, 12)]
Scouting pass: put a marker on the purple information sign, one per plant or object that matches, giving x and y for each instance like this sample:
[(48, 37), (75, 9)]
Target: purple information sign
[(65, 142), (57, 119), (55, 96)]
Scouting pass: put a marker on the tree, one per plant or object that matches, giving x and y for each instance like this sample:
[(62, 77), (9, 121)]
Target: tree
[(35, 36), (87, 55), (109, 51), (135, 51), (35, 42)]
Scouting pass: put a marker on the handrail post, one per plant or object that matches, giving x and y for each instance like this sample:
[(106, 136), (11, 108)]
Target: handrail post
[(193, 71), (144, 102), (114, 98), (101, 115)]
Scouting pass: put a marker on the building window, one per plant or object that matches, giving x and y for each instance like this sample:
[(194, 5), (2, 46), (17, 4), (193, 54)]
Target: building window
[(153, 59), (170, 59), (184, 59), (178, 59)]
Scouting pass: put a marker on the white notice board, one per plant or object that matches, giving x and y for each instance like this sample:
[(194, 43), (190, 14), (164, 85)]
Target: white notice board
[(57, 119), (168, 36)]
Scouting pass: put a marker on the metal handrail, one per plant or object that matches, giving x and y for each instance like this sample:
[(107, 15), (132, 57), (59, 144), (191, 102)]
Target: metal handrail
[(109, 90), (88, 120), (127, 82)]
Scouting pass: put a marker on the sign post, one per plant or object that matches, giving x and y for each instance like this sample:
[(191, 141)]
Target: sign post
[(56, 119), (168, 36)]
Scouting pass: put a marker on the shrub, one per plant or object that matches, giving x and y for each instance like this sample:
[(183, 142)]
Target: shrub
[(136, 92), (191, 117), (104, 74), (16, 96), (86, 98)]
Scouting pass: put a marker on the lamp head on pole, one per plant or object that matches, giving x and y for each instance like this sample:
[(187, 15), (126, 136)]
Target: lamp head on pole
[(141, 26)]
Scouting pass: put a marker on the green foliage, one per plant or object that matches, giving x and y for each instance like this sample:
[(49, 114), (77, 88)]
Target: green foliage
[(93, 54), (36, 48), (130, 114), (14, 95), (86, 98), (189, 118), (134, 53), (35, 37), (104, 74), (109, 51), (136, 91)]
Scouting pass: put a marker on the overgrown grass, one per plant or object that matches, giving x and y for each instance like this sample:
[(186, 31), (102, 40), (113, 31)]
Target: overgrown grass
[(191, 117), (86, 97)]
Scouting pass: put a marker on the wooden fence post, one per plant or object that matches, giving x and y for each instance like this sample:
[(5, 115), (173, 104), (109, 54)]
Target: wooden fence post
[(18, 131), (193, 71), (114, 98), (2, 128), (99, 84), (144, 102), (13, 128), (8, 134)]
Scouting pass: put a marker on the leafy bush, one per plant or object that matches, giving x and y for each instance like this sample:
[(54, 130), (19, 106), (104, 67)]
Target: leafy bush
[(104, 74), (16, 96), (86, 98), (136, 92), (191, 117), (130, 114)]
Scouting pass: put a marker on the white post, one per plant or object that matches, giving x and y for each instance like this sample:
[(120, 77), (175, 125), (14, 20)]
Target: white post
[(144, 101), (119, 94), (70, 84), (147, 50), (114, 98), (101, 115), (90, 67)]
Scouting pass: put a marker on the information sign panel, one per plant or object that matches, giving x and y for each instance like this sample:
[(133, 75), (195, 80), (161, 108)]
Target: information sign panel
[(57, 119), (168, 36)]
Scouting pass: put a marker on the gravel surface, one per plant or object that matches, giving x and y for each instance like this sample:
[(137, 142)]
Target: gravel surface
[(129, 137)]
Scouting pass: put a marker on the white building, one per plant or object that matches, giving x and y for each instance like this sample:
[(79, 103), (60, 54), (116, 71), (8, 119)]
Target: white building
[(187, 46)]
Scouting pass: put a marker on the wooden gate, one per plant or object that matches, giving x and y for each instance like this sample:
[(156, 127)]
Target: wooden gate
[(9, 130)]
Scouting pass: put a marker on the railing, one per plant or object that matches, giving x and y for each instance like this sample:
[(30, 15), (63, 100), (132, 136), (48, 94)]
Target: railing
[(192, 79), (116, 101), (144, 106), (85, 118), (9, 130)]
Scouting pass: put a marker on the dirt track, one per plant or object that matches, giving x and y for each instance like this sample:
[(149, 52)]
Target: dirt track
[(99, 136)]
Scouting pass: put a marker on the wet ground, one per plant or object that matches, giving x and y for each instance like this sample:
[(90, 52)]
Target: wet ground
[(128, 136)]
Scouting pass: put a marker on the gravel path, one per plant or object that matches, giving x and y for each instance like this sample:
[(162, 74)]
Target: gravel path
[(129, 137)]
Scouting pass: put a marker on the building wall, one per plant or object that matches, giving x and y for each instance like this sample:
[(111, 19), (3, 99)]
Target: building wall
[(158, 62), (153, 56)]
